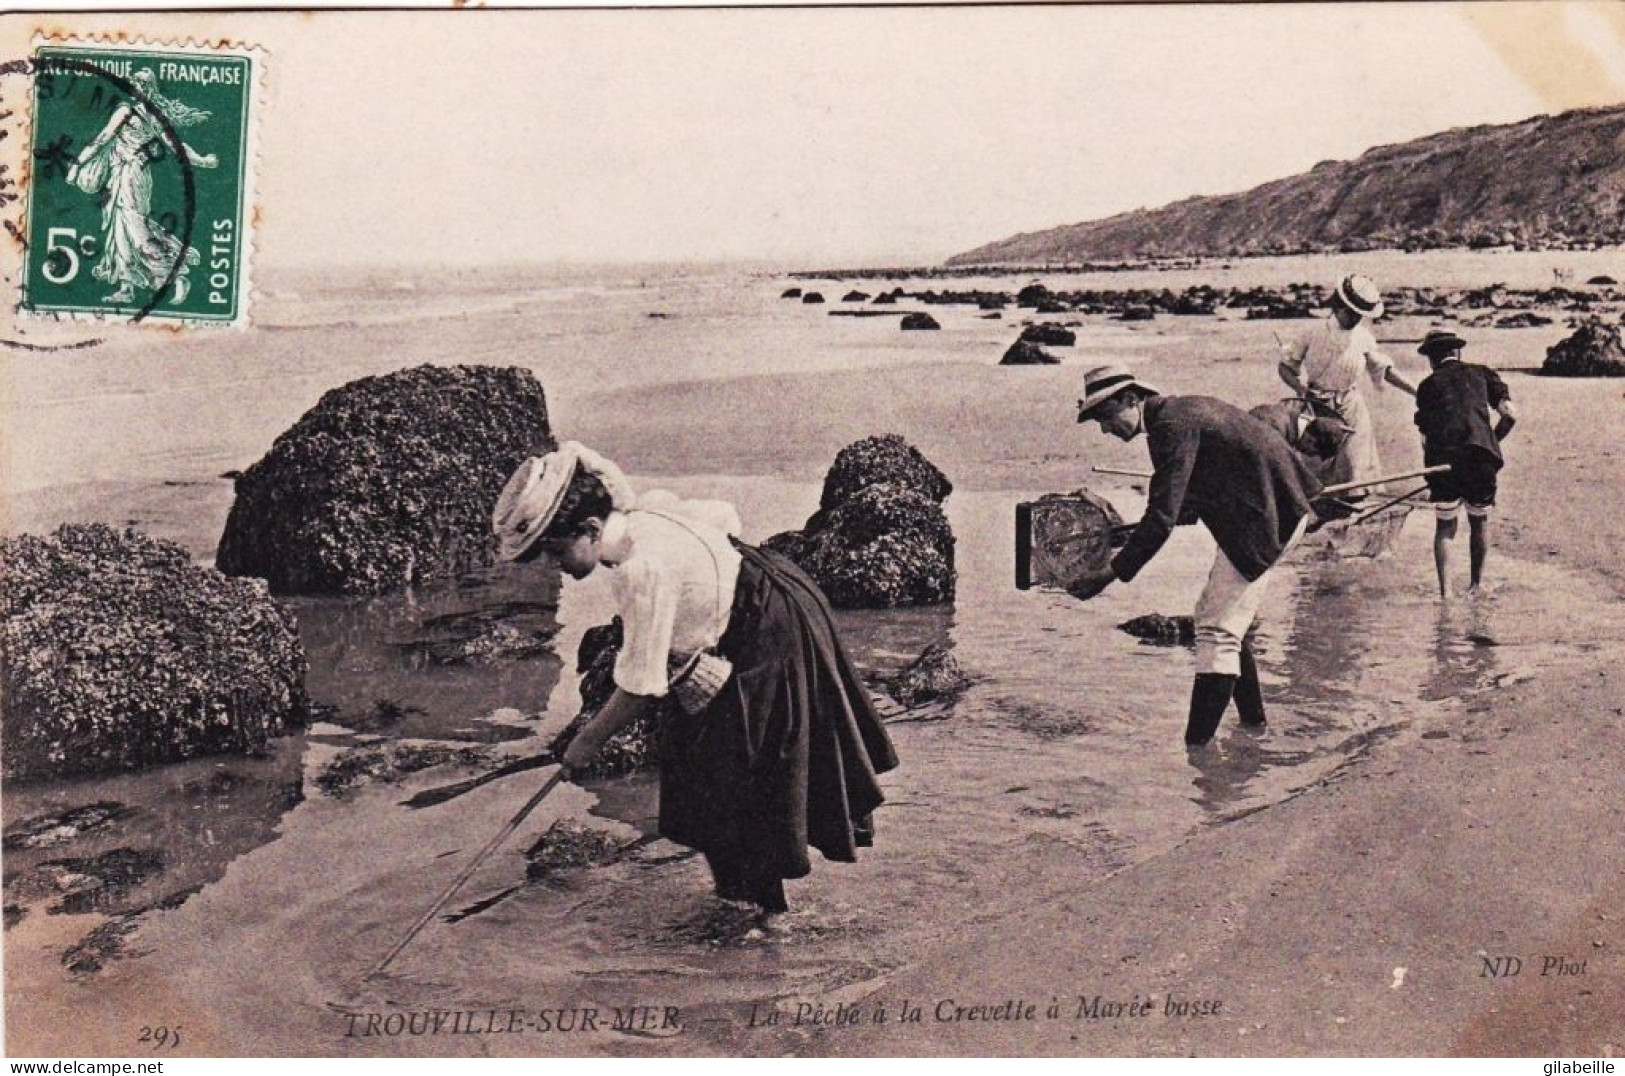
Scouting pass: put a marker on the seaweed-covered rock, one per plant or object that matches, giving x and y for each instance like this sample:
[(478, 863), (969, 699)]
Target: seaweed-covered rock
[(880, 538), (790, 293), (637, 745), (812, 298), (568, 845), (117, 652), (1162, 630), (1049, 333), (885, 298), (387, 481), (1603, 281), (855, 297), (918, 321), (888, 460), (1025, 353), (61, 827), (1594, 350), (935, 675)]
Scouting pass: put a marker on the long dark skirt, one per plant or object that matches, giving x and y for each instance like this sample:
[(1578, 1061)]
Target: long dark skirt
[(786, 755)]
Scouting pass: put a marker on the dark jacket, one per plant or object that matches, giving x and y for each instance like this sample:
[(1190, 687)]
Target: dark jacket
[(1453, 406), (1228, 469)]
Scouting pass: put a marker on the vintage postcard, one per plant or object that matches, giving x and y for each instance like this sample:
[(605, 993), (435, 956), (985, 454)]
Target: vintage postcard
[(830, 531)]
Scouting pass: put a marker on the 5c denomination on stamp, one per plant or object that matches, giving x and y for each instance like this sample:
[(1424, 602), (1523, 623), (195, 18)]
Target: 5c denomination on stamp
[(140, 192)]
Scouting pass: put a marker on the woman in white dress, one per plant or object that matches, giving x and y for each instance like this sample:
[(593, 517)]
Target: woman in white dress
[(1327, 364), (137, 251), (784, 755)]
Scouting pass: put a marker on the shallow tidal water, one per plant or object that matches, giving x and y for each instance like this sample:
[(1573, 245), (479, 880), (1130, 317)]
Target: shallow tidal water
[(256, 901)]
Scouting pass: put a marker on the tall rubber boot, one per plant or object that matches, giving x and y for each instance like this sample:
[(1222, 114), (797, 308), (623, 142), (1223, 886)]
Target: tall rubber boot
[(1249, 693), (1210, 695)]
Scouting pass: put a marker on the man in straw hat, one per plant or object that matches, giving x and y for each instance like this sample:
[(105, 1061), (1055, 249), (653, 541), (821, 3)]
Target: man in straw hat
[(1324, 366), (1216, 464), (1453, 408)]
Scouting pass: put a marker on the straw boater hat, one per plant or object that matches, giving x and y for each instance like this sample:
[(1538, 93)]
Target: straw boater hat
[(1104, 382), (533, 494), (1439, 341), (1360, 294)]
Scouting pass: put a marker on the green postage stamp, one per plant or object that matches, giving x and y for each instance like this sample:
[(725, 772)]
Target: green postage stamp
[(140, 194)]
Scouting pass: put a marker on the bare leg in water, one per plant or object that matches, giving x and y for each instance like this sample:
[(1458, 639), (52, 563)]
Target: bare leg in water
[(1443, 535), (1478, 546)]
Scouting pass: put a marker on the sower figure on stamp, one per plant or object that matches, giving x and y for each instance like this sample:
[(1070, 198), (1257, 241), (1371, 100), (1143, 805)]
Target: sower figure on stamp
[(1324, 366), (1453, 408), (1215, 464), (778, 746), (137, 251)]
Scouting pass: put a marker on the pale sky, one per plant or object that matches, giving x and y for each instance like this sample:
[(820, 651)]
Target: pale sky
[(847, 135)]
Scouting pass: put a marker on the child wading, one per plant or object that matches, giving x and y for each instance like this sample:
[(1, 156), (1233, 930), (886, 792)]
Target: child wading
[(1453, 409), (777, 746)]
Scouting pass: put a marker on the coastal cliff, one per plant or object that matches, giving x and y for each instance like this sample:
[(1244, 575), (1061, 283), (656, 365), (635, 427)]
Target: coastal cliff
[(1546, 182)]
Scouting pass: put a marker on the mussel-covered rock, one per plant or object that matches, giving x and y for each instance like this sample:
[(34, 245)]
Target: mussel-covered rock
[(1050, 334), (888, 460), (117, 652), (1594, 350), (932, 677), (1025, 353), (880, 538), (918, 321), (387, 481), (637, 745)]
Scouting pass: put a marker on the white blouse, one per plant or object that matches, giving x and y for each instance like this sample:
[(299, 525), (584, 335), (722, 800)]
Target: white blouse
[(1331, 358), (673, 573)]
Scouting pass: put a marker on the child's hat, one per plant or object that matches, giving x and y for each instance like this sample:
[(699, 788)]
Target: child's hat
[(1440, 341)]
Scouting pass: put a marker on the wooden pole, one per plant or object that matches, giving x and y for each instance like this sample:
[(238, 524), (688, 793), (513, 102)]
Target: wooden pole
[(1363, 516), (1119, 470), (468, 872)]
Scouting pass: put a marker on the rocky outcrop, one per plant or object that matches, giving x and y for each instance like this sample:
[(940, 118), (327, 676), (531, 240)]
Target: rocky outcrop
[(790, 293), (387, 481), (812, 298), (1026, 353), (1049, 334), (855, 297), (117, 652), (919, 321), (1161, 630), (880, 538), (1594, 350), (935, 676)]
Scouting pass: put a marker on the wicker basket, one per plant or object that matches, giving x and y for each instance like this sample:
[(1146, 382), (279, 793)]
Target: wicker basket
[(698, 680)]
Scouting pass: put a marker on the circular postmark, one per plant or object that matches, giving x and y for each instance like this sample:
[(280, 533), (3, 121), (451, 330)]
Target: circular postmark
[(43, 162)]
